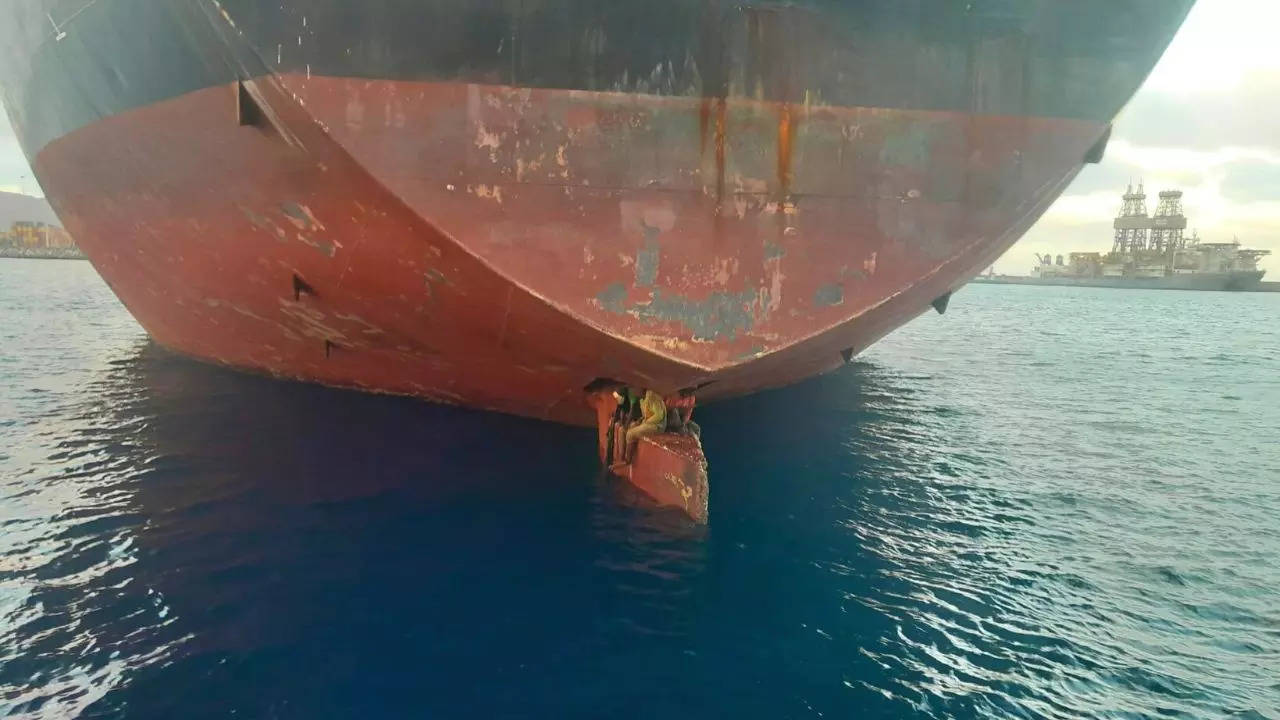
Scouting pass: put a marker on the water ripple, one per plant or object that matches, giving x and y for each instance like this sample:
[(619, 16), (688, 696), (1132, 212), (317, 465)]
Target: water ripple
[(996, 513)]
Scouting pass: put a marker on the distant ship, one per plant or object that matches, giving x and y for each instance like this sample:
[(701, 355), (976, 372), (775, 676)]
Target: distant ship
[(505, 204), (1150, 252)]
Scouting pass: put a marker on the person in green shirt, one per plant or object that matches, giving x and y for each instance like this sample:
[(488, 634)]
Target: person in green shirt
[(628, 404)]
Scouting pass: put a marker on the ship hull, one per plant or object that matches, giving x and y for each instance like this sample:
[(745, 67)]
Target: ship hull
[(1227, 281), (423, 225)]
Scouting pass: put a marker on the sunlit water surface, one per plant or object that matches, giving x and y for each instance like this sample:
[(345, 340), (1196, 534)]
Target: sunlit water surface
[(1051, 502)]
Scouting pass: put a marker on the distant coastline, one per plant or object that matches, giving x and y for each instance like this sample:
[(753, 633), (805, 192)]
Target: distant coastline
[(998, 279), (39, 253), (29, 229)]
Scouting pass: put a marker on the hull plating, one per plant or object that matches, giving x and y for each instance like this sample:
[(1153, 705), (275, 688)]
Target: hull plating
[(499, 228)]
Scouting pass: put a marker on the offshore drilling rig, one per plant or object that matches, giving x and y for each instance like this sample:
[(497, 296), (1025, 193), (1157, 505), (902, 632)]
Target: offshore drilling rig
[(1152, 251)]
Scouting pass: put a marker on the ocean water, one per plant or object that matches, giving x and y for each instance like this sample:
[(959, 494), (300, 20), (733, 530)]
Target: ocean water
[(1050, 502)]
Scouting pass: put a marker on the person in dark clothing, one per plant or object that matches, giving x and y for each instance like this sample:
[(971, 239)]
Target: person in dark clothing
[(628, 405), (680, 414), (626, 416)]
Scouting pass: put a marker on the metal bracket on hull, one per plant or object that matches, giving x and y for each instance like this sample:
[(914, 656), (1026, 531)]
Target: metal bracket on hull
[(1094, 156), (941, 302), (253, 111), (300, 288), (248, 112)]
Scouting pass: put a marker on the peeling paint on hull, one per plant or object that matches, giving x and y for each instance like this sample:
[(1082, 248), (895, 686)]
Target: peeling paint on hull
[(672, 470), (498, 224), (420, 295)]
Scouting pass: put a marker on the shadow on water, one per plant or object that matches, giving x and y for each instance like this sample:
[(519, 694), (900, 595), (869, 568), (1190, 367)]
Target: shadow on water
[(228, 543), (178, 540), (398, 552)]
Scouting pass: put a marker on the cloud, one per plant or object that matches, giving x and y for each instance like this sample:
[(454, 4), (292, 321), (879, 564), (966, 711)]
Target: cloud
[(1119, 171), (1243, 114), (15, 173), (1249, 181), (1221, 44)]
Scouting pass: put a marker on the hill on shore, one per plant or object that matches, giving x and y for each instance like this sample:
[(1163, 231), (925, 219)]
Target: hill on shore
[(15, 207)]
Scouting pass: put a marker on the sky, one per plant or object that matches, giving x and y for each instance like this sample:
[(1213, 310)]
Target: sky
[(1206, 122)]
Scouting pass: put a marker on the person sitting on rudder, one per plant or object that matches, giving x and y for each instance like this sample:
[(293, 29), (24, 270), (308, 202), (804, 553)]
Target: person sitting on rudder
[(653, 420), (680, 414), (625, 415)]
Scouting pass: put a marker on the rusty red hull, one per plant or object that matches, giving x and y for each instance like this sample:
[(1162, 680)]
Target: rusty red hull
[(312, 249), (475, 220), (672, 470), (321, 257), (316, 258)]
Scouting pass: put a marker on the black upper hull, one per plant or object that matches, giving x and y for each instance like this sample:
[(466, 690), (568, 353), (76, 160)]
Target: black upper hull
[(65, 63)]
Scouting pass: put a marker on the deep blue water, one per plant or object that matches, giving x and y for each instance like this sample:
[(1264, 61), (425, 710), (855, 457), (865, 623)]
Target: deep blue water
[(1051, 502)]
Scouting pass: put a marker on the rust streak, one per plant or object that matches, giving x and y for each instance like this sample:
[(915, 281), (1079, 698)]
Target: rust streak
[(786, 137), (721, 131), (704, 123)]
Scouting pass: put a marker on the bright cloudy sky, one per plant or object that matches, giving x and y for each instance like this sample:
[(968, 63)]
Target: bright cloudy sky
[(15, 176), (1207, 122)]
